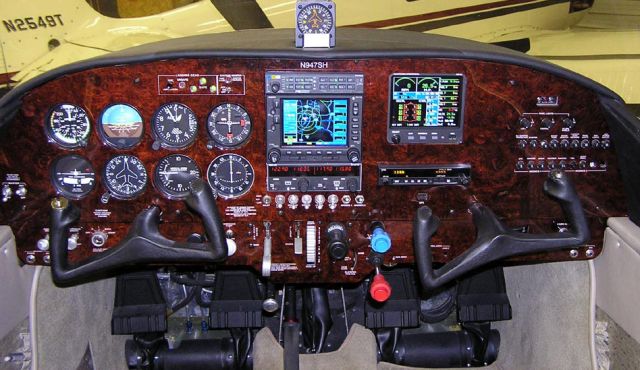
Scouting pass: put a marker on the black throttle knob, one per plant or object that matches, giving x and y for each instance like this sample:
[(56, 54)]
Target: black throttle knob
[(337, 241)]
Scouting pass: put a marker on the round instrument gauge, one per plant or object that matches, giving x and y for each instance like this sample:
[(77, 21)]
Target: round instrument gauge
[(315, 18), (121, 126), (125, 177), (175, 125), (229, 125), (73, 176), (68, 125), (231, 175), (173, 175)]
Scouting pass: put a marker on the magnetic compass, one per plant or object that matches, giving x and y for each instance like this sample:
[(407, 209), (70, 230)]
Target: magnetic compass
[(315, 18)]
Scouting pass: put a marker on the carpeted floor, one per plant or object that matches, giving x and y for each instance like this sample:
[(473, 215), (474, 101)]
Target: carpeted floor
[(68, 320), (549, 330)]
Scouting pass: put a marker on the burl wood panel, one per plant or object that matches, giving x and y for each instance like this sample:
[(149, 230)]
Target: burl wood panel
[(496, 95)]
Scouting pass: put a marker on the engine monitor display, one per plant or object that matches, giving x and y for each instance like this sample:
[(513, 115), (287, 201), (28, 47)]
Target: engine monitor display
[(315, 122), (426, 100)]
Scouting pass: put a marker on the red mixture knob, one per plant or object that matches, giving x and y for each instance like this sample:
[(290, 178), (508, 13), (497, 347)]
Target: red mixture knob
[(380, 289)]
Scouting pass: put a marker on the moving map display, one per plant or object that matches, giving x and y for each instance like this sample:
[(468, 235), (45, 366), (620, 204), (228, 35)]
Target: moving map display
[(315, 122), (426, 101)]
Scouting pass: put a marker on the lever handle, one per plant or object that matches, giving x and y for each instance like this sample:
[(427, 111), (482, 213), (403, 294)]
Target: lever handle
[(143, 244), (494, 241)]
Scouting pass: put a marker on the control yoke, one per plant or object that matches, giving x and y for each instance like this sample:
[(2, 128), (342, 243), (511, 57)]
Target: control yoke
[(143, 244), (495, 241)]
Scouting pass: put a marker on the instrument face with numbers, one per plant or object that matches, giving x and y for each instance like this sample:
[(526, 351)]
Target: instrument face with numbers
[(173, 174), (229, 125), (315, 24), (317, 154)]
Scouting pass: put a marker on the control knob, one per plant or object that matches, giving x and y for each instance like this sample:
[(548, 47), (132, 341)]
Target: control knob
[(352, 185), (395, 139), (275, 87), (303, 185), (43, 244), (337, 241), (575, 144), (546, 123), (380, 289), (99, 238), (568, 122), (525, 122), (274, 156), (353, 155), (319, 200)]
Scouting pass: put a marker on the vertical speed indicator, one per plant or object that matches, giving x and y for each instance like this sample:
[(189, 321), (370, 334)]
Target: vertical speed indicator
[(173, 174)]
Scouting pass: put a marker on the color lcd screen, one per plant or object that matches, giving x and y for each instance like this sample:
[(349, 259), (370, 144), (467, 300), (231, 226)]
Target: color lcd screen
[(315, 122), (426, 101)]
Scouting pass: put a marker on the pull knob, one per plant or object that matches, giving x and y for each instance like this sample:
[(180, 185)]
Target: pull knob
[(380, 290), (337, 241), (380, 240)]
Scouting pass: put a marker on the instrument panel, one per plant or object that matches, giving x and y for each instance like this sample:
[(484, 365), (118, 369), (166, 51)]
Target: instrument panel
[(289, 150)]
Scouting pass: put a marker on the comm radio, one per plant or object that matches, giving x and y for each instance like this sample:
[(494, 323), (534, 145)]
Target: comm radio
[(314, 131)]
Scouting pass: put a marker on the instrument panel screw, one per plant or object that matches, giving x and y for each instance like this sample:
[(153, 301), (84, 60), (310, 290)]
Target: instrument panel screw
[(557, 174), (590, 252), (59, 203), (573, 253)]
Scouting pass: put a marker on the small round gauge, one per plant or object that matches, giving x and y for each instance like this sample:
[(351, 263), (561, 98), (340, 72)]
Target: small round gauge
[(68, 125), (173, 175), (121, 126), (315, 18), (231, 175), (125, 176), (73, 176), (175, 125), (229, 125)]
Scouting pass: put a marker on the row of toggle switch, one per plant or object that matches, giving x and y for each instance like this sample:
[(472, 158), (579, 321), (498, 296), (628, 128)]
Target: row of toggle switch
[(542, 165), (7, 192), (565, 143), (318, 201)]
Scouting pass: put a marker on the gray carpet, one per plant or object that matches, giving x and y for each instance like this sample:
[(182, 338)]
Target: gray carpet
[(623, 351), (357, 352), (549, 330), (70, 319)]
